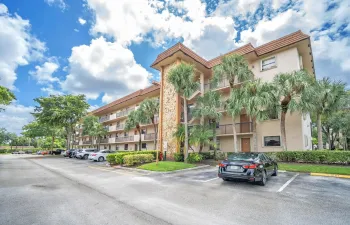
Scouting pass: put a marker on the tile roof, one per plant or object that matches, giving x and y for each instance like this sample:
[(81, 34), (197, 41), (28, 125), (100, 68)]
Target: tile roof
[(261, 50), (135, 94)]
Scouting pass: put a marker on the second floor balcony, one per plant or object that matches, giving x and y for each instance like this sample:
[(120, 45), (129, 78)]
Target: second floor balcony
[(87, 142), (241, 128), (104, 140), (124, 138)]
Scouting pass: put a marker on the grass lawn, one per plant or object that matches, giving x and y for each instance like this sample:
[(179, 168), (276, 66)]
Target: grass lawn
[(312, 168), (164, 166)]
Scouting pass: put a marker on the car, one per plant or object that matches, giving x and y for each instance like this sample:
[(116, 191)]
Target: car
[(21, 152), (44, 152), (84, 154), (56, 152), (100, 155), (38, 152), (63, 152), (69, 153), (250, 166), (29, 152), (15, 153)]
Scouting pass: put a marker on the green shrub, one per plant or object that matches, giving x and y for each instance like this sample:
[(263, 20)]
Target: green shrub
[(111, 159), (207, 155), (194, 157), (316, 156), (2, 151), (179, 157), (119, 156), (133, 159)]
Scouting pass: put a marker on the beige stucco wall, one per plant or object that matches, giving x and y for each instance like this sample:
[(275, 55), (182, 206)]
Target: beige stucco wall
[(287, 61), (306, 129)]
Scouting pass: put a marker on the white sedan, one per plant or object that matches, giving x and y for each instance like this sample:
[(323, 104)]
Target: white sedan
[(100, 156)]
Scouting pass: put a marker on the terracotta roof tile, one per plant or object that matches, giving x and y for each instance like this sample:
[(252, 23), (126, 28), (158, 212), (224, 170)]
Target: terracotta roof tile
[(128, 97), (261, 50), (281, 42)]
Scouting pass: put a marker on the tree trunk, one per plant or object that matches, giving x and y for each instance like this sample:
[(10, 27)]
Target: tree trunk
[(283, 130), (186, 130), (235, 146), (200, 148), (319, 132), (255, 136), (52, 143), (140, 140), (215, 139), (98, 143), (155, 141)]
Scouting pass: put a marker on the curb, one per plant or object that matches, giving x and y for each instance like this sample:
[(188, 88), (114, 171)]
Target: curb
[(155, 172), (330, 175)]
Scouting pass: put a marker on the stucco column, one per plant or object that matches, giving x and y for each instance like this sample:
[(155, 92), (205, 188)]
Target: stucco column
[(161, 111), (201, 79)]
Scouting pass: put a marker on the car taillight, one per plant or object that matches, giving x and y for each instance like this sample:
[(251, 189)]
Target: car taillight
[(251, 166), (222, 165), (93, 154)]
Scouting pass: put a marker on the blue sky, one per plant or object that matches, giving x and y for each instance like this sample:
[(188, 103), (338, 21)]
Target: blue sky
[(104, 48)]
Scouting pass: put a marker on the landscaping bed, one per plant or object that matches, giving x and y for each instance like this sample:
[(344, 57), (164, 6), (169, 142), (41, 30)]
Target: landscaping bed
[(314, 168), (166, 166)]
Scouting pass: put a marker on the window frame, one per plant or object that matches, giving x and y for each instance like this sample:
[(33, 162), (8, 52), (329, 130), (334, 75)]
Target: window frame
[(265, 59), (278, 146)]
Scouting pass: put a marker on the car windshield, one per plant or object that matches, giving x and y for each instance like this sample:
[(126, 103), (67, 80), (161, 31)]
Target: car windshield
[(243, 156)]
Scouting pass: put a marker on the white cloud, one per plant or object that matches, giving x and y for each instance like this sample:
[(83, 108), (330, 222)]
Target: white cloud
[(43, 73), (81, 21), (17, 46), (15, 117), (93, 107), (59, 3), (50, 90), (76, 30), (104, 68)]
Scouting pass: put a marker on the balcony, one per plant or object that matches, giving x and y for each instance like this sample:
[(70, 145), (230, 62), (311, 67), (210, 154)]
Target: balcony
[(105, 140), (104, 118), (149, 137), (124, 113), (119, 127), (87, 142), (124, 139), (75, 143), (241, 128)]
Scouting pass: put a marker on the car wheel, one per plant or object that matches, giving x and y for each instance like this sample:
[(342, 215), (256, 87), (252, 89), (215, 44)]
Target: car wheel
[(86, 156), (225, 179), (100, 159), (263, 178), (275, 171)]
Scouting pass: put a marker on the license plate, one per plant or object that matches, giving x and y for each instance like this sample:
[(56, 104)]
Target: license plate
[(234, 167)]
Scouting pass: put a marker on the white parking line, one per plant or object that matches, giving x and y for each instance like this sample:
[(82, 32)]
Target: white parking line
[(287, 183), (203, 181)]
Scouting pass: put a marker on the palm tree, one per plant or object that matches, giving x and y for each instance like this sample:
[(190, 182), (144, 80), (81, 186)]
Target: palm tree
[(256, 95), (233, 68), (134, 120), (234, 108), (289, 91), (182, 78), (326, 98), (207, 107), (150, 108), (201, 135), (93, 128)]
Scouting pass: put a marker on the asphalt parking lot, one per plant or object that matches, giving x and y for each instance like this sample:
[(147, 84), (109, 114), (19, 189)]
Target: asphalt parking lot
[(118, 196)]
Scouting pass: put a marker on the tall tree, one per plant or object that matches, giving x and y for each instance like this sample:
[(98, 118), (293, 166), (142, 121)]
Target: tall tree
[(233, 68), (150, 109), (134, 121), (182, 77), (3, 136), (61, 111), (256, 95), (93, 128), (12, 138), (289, 89), (326, 98), (201, 135), (234, 108), (36, 129), (6, 96), (207, 107)]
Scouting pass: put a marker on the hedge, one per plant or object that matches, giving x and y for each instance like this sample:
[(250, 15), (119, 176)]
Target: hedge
[(315, 156), (118, 157), (179, 157), (133, 159), (194, 157)]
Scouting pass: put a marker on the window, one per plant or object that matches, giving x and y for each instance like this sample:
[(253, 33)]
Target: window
[(272, 141), (125, 134), (126, 146), (117, 147), (268, 63), (306, 141), (144, 146), (143, 131)]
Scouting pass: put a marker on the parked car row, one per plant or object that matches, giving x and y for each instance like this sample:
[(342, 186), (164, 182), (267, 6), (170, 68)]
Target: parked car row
[(91, 154)]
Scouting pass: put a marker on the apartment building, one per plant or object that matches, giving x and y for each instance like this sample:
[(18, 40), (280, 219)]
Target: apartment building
[(113, 117), (286, 54)]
